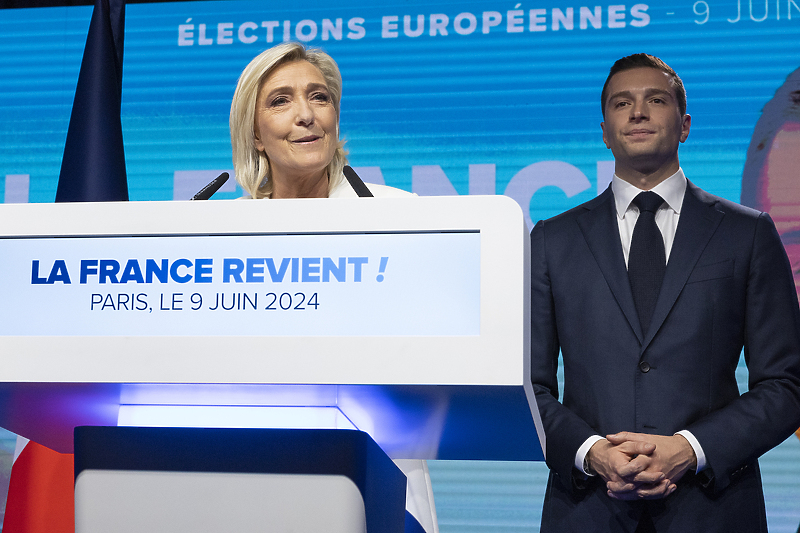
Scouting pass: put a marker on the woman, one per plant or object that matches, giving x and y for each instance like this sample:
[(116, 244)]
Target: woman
[(285, 127), (285, 136), (770, 178)]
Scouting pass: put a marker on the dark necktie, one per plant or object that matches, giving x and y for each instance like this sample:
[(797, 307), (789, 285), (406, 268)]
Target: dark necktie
[(647, 259)]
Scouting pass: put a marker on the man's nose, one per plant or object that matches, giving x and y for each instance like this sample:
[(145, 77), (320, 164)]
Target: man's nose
[(638, 112)]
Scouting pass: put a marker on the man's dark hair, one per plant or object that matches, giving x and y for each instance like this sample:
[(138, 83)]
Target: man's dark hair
[(648, 61)]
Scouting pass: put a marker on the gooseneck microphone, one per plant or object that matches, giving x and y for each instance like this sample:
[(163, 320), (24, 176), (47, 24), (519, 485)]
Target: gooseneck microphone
[(355, 182), (208, 191)]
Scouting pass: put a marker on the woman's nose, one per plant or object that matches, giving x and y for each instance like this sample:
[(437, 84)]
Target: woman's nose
[(305, 113)]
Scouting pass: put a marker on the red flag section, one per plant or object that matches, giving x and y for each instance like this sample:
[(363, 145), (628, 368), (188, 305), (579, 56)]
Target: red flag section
[(41, 496)]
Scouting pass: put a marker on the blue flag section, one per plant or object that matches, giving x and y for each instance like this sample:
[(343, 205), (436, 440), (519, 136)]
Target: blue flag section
[(93, 167)]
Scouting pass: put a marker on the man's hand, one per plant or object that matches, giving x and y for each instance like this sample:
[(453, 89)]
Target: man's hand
[(624, 467), (655, 464)]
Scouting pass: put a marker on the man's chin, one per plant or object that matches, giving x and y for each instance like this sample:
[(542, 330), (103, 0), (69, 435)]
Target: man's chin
[(645, 162)]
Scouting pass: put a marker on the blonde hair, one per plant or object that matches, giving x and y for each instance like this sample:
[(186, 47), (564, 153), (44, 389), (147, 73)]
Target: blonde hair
[(250, 165)]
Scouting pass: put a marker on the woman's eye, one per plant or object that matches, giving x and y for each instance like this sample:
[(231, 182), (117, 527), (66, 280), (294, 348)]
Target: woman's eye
[(278, 100), (320, 97)]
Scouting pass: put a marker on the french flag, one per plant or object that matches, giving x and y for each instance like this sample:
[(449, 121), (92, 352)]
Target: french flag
[(41, 496)]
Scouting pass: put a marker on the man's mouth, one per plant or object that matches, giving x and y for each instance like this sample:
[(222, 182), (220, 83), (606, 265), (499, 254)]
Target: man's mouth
[(639, 133)]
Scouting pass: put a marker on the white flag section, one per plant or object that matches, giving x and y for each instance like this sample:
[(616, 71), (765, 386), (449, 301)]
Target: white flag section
[(21, 443)]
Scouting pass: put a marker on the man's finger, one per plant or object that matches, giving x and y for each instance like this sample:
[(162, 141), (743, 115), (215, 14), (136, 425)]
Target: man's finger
[(635, 447), (647, 478), (623, 436), (619, 487), (623, 495), (641, 469), (643, 492), (634, 467), (660, 490)]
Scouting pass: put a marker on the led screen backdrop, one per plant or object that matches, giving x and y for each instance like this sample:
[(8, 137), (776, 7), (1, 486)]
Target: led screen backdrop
[(440, 97)]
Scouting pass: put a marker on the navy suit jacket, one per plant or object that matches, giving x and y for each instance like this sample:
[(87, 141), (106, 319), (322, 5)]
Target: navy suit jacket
[(728, 285)]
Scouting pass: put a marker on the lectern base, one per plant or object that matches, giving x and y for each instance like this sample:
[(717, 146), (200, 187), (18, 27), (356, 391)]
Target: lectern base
[(183, 480), (124, 501)]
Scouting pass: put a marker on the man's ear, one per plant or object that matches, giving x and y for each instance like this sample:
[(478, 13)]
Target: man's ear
[(685, 127)]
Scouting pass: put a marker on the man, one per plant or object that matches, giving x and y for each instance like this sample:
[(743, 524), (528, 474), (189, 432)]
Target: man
[(650, 300)]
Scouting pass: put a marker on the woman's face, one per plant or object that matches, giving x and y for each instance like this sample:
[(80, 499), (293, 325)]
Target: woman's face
[(296, 124), (779, 191)]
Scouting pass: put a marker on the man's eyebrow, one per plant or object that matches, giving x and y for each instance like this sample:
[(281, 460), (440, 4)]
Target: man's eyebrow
[(620, 94), (654, 91), (647, 92)]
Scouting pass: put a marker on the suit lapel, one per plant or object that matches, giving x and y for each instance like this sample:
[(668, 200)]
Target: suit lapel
[(601, 231), (698, 222)]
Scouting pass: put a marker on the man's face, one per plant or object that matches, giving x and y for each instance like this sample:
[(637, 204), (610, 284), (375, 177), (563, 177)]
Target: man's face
[(643, 125), (779, 191)]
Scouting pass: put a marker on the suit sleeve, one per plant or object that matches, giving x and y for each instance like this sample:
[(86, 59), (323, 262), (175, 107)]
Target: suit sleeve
[(564, 431), (769, 412)]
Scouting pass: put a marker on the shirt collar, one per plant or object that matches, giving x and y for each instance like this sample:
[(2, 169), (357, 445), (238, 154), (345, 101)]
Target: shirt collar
[(671, 190)]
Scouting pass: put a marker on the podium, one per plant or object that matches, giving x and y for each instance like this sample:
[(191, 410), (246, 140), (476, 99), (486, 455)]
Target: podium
[(405, 318)]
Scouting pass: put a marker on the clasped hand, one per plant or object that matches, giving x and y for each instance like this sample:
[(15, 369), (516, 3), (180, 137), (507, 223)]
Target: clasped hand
[(637, 465)]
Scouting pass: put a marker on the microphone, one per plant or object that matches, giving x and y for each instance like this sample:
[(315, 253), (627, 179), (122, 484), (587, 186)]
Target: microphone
[(356, 183), (208, 191)]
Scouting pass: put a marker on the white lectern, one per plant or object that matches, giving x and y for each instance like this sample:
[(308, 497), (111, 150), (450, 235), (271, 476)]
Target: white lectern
[(405, 318)]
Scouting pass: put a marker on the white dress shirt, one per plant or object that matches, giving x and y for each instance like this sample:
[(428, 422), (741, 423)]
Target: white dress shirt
[(672, 191)]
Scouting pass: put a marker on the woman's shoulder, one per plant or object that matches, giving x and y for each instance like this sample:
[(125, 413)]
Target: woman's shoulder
[(344, 190), (384, 191)]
